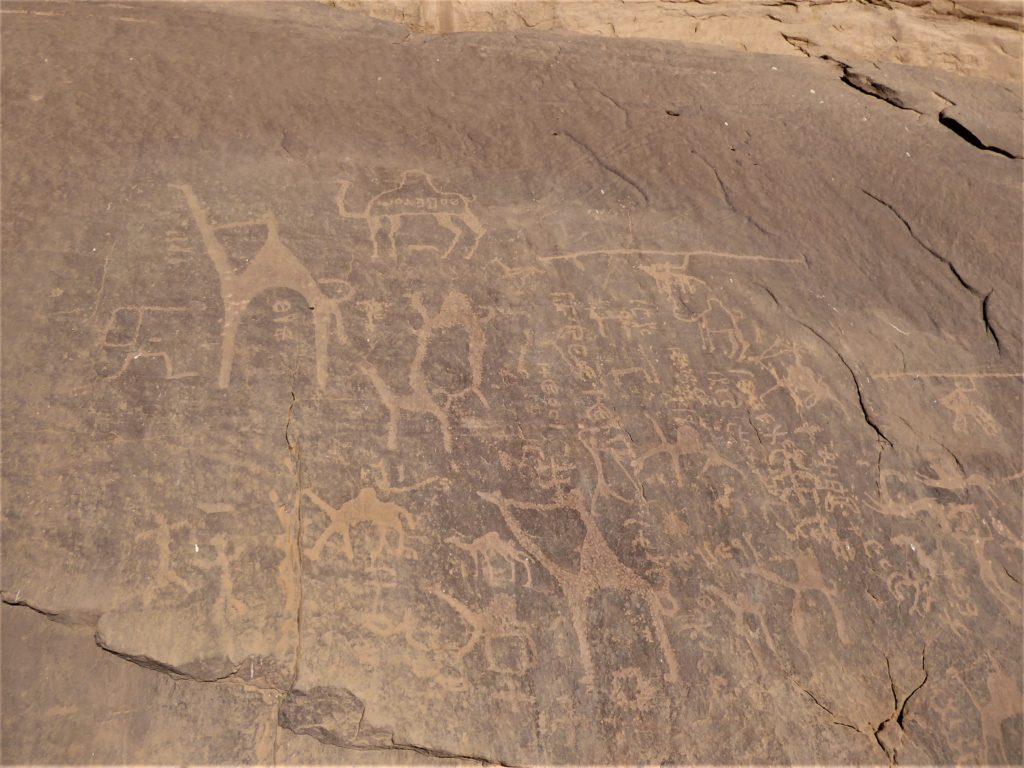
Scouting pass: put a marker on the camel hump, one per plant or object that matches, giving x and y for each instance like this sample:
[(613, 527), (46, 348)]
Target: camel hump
[(417, 194)]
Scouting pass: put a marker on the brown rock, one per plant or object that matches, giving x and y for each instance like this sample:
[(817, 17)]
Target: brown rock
[(528, 398)]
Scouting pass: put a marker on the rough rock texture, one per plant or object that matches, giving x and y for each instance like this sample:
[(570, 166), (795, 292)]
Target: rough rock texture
[(973, 37), (534, 399)]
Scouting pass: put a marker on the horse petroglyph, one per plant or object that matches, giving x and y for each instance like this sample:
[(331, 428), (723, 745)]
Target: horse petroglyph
[(490, 627)]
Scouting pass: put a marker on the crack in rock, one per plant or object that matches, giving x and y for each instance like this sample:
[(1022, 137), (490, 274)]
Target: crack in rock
[(977, 294), (336, 716), (605, 166), (888, 734), (69, 618), (868, 418), (968, 135), (863, 82)]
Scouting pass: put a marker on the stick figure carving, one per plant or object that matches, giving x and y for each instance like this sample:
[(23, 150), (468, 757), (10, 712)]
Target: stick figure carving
[(599, 568), (416, 197), (275, 266), (804, 386)]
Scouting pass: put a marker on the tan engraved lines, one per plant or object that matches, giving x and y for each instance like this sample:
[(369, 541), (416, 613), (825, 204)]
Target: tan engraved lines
[(275, 266), (366, 507), (455, 312), (416, 197), (598, 567)]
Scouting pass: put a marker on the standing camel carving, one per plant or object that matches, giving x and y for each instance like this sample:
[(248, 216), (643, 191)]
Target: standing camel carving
[(598, 568), (275, 266), (416, 197)]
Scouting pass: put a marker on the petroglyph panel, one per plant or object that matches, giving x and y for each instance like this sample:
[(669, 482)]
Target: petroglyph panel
[(361, 396)]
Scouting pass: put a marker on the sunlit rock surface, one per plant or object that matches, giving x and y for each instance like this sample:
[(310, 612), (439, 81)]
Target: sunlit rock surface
[(519, 398)]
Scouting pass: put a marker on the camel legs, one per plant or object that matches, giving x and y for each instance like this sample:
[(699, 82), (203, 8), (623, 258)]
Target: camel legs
[(465, 228), (654, 607), (321, 337), (336, 527), (579, 624), (232, 317)]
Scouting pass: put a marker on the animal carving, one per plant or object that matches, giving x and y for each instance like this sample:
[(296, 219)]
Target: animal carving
[(416, 197), (487, 552), (496, 623), (599, 568), (275, 266), (720, 332), (806, 388), (366, 507), (455, 312)]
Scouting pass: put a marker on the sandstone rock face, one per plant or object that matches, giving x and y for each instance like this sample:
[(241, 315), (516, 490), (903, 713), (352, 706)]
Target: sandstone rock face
[(976, 37), (371, 398)]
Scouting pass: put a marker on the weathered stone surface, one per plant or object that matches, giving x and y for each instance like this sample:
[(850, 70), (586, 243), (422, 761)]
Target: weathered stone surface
[(67, 701), (971, 37), (543, 399)]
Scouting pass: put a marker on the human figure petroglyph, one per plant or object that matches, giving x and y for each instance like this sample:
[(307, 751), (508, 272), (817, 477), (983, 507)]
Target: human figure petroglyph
[(166, 575), (599, 568), (806, 388), (489, 549), (619, 447), (134, 332), (366, 507), (226, 608), (456, 311), (495, 622), (373, 310), (809, 579), (274, 267), (416, 196)]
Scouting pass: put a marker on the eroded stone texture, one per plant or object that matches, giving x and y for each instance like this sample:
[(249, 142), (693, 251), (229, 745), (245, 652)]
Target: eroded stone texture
[(973, 37), (547, 400)]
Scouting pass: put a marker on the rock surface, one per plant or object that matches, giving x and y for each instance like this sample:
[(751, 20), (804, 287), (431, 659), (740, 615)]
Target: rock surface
[(972, 37), (517, 399)]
